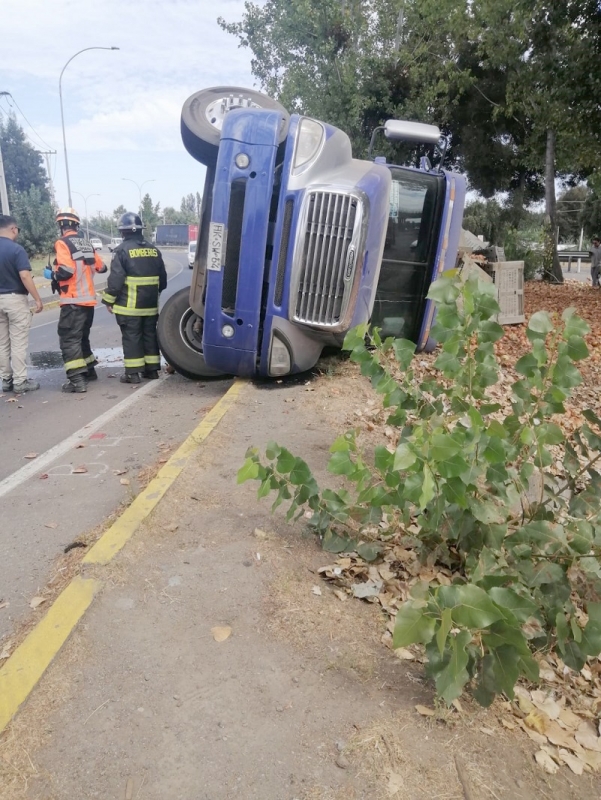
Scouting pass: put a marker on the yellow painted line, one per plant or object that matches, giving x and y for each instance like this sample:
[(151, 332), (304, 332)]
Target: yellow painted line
[(114, 539), (27, 664)]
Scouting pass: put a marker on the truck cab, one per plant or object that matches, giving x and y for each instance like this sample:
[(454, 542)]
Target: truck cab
[(299, 242)]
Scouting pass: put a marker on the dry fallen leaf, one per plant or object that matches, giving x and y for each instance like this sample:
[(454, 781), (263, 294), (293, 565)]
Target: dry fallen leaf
[(51, 524), (36, 601), (404, 654), (316, 590), (124, 481), (172, 527), (221, 633), (119, 471), (6, 650), (575, 764), (80, 470), (5, 604), (425, 711), (43, 476), (30, 455), (537, 721), (546, 762), (259, 534), (79, 446)]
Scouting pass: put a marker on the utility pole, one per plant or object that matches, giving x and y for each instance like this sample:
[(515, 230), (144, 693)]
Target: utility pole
[(3, 192)]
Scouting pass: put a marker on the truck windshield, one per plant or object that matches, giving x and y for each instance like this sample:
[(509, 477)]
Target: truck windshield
[(416, 205)]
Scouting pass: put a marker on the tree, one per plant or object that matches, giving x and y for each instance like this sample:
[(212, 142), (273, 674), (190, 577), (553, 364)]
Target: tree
[(35, 217), (119, 211), (149, 214), (22, 162)]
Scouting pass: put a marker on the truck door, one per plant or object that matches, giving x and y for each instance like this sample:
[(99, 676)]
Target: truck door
[(414, 224)]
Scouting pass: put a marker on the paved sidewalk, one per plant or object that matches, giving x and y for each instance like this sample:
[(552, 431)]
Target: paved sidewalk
[(299, 702)]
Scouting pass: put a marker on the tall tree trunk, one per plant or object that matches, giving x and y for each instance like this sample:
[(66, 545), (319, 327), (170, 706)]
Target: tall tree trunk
[(551, 265)]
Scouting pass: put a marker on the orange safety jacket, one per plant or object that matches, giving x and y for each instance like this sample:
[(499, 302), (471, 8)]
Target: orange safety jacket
[(74, 262)]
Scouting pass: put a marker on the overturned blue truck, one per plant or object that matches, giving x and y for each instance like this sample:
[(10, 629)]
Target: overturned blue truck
[(299, 242)]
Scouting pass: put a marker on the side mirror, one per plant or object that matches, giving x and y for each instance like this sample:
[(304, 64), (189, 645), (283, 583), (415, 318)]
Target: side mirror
[(403, 130)]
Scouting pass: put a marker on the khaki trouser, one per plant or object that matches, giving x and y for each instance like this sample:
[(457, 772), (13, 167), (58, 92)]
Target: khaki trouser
[(15, 319)]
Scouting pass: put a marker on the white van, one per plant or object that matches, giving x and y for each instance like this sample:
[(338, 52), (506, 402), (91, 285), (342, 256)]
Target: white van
[(191, 254), (115, 242)]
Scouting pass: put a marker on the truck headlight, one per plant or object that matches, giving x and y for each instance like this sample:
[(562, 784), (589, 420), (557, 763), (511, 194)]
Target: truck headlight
[(308, 141), (279, 357)]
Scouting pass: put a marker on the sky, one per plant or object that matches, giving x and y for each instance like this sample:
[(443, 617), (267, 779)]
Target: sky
[(122, 108)]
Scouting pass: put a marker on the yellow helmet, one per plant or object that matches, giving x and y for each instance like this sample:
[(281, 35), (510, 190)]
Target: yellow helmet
[(68, 215)]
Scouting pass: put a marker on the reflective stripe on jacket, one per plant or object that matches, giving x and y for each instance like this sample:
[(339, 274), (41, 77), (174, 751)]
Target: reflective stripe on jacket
[(75, 263), (136, 279)]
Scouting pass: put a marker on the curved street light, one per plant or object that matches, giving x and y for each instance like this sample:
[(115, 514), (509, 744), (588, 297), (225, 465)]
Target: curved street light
[(85, 203), (139, 185), (60, 94)]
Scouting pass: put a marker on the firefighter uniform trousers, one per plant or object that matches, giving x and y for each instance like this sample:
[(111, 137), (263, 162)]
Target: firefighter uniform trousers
[(74, 326), (140, 343)]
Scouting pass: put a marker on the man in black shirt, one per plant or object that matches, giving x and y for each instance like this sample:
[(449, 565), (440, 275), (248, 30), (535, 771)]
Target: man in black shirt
[(15, 317)]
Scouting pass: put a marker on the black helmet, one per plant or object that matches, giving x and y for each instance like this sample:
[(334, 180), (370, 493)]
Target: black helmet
[(130, 222)]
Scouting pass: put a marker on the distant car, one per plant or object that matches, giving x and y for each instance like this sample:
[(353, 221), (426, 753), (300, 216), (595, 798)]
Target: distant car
[(96, 244), (191, 254), (115, 242)]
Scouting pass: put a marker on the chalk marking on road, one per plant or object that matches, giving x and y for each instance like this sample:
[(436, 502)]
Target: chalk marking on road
[(27, 664), (113, 540), (24, 668), (39, 464)]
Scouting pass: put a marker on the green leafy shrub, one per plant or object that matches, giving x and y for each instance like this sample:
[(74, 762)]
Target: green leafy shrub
[(501, 496)]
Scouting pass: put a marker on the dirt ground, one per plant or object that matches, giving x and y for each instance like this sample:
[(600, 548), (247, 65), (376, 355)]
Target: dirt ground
[(300, 702)]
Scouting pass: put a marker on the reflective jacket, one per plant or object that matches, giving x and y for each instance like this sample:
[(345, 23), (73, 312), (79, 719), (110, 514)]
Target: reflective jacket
[(74, 266), (137, 277)]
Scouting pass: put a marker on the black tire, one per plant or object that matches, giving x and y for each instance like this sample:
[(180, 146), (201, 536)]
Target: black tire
[(201, 132), (179, 343)]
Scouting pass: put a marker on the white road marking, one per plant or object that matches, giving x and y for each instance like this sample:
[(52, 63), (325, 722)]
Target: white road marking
[(38, 465)]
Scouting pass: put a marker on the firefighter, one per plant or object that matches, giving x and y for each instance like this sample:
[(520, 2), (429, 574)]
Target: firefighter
[(73, 275), (136, 279)]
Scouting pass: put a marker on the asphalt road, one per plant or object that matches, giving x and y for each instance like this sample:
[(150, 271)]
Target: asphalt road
[(67, 462)]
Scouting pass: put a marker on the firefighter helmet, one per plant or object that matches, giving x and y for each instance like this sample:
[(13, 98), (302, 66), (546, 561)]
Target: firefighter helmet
[(68, 215), (130, 222)]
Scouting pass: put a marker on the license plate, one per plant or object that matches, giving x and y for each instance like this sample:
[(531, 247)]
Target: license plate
[(216, 239)]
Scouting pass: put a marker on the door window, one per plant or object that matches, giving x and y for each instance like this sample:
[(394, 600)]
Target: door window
[(416, 204)]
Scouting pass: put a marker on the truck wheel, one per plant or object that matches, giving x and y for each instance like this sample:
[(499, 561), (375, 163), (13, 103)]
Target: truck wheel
[(180, 338), (203, 114)]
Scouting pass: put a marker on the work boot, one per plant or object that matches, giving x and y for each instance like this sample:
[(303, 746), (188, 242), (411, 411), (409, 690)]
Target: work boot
[(25, 386), (151, 374), (7, 384), (76, 385), (130, 378), (92, 374)]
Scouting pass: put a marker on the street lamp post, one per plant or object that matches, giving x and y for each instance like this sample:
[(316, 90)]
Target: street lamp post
[(139, 185), (60, 94), (85, 203)]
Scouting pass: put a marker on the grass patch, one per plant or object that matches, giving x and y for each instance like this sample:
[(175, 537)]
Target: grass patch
[(37, 265)]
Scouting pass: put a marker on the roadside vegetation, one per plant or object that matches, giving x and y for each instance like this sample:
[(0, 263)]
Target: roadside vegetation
[(479, 512)]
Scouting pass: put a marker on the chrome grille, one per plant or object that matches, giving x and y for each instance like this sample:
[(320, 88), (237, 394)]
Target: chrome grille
[(327, 261)]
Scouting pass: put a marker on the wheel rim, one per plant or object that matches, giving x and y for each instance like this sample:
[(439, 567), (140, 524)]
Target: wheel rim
[(218, 108), (190, 328)]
